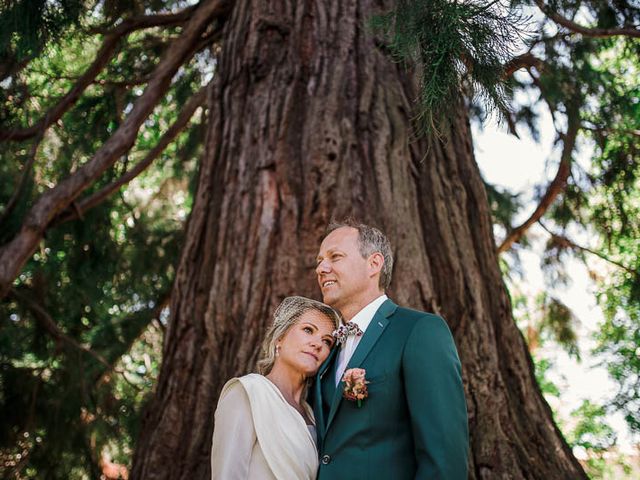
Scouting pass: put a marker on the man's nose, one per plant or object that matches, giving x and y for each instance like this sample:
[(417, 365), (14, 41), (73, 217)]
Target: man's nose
[(323, 267)]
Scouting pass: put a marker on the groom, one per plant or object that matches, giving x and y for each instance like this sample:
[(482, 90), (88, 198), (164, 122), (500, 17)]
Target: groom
[(413, 422)]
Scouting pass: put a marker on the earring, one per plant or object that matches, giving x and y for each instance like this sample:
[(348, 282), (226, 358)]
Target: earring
[(277, 350)]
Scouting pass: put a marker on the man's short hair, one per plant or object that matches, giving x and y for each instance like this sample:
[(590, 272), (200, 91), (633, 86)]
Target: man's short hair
[(370, 240)]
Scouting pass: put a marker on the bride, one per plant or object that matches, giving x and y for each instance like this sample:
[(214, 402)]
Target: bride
[(264, 428)]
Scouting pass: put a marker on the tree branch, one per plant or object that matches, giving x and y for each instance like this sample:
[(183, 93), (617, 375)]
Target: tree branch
[(550, 106), (23, 179), (137, 323), (111, 40), (79, 208), (589, 32), (605, 131), (526, 60), (10, 66), (45, 320), (14, 254), (557, 185), (50, 326), (567, 243)]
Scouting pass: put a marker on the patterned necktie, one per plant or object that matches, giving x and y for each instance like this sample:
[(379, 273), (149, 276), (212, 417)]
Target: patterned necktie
[(344, 331)]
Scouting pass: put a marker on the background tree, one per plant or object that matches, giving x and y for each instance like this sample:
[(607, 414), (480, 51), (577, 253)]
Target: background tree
[(309, 117)]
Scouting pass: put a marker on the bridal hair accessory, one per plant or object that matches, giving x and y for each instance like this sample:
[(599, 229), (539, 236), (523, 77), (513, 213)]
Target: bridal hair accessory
[(355, 385), (343, 332)]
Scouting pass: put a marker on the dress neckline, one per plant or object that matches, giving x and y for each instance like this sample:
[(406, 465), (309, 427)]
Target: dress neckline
[(304, 404)]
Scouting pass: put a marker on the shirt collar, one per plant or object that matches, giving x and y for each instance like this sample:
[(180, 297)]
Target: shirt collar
[(363, 317)]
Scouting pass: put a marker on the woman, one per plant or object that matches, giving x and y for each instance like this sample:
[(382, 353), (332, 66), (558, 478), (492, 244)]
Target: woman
[(264, 428)]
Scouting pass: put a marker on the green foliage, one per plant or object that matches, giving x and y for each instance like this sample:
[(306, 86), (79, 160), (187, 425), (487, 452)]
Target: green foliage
[(596, 81), (619, 346), (542, 367), (607, 199), (26, 26), (80, 343), (546, 320), (503, 204), (594, 436), (459, 47), (591, 432)]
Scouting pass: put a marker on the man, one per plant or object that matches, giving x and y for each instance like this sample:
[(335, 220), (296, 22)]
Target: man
[(413, 422)]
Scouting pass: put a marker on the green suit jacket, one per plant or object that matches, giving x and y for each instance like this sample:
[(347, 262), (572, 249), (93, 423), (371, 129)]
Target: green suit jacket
[(413, 424)]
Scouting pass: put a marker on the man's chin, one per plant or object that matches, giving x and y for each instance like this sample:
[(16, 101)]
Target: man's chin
[(328, 299), (331, 300)]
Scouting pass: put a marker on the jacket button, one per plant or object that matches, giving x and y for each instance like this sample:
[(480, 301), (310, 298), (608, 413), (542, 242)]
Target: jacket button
[(326, 459)]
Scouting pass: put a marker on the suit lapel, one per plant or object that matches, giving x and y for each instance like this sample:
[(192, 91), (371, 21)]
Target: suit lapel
[(378, 324), (318, 404)]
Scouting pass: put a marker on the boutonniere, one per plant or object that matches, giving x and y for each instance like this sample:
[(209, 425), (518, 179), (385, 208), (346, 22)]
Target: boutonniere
[(355, 385)]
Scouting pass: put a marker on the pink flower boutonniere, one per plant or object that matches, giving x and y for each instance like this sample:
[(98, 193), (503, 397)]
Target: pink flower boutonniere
[(355, 385)]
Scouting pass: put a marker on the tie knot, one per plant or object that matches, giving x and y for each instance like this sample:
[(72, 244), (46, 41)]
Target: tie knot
[(344, 331)]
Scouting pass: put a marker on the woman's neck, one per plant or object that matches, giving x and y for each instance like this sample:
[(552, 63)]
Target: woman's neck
[(291, 384)]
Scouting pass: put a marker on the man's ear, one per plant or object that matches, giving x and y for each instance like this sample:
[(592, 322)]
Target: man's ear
[(376, 261)]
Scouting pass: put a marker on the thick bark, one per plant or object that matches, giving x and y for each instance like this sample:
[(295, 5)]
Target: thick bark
[(309, 121)]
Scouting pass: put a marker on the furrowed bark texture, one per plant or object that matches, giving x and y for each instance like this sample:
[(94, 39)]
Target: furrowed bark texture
[(309, 121)]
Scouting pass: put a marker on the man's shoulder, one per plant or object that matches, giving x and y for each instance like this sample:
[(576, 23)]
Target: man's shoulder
[(417, 315), (420, 322)]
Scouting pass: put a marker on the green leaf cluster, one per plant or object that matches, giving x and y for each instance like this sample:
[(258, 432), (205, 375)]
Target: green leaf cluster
[(81, 330), (459, 49)]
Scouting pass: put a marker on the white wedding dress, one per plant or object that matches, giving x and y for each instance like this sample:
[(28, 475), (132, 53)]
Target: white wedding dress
[(258, 435)]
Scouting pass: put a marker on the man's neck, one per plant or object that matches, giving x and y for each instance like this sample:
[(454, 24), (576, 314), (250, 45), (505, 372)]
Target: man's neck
[(351, 310)]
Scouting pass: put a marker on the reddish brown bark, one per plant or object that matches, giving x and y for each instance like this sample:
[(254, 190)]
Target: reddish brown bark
[(309, 121)]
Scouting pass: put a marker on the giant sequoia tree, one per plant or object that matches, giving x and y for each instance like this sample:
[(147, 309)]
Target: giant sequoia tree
[(311, 117)]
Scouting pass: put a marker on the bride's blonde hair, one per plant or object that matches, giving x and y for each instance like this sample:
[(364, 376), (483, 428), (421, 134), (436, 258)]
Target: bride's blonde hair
[(285, 316)]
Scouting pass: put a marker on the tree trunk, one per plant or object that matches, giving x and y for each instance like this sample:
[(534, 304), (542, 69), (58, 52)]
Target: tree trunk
[(310, 121)]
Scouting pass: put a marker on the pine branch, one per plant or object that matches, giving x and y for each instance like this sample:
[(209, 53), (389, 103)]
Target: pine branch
[(111, 41), (557, 185), (568, 243), (79, 208), (586, 31), (14, 254)]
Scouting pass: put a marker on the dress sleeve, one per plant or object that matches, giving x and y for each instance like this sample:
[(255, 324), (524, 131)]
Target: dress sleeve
[(233, 436)]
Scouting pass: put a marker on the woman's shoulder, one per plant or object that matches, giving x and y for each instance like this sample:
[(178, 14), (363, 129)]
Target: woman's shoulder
[(244, 385)]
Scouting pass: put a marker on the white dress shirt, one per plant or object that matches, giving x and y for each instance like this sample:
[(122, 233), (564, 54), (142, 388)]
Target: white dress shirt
[(362, 319)]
